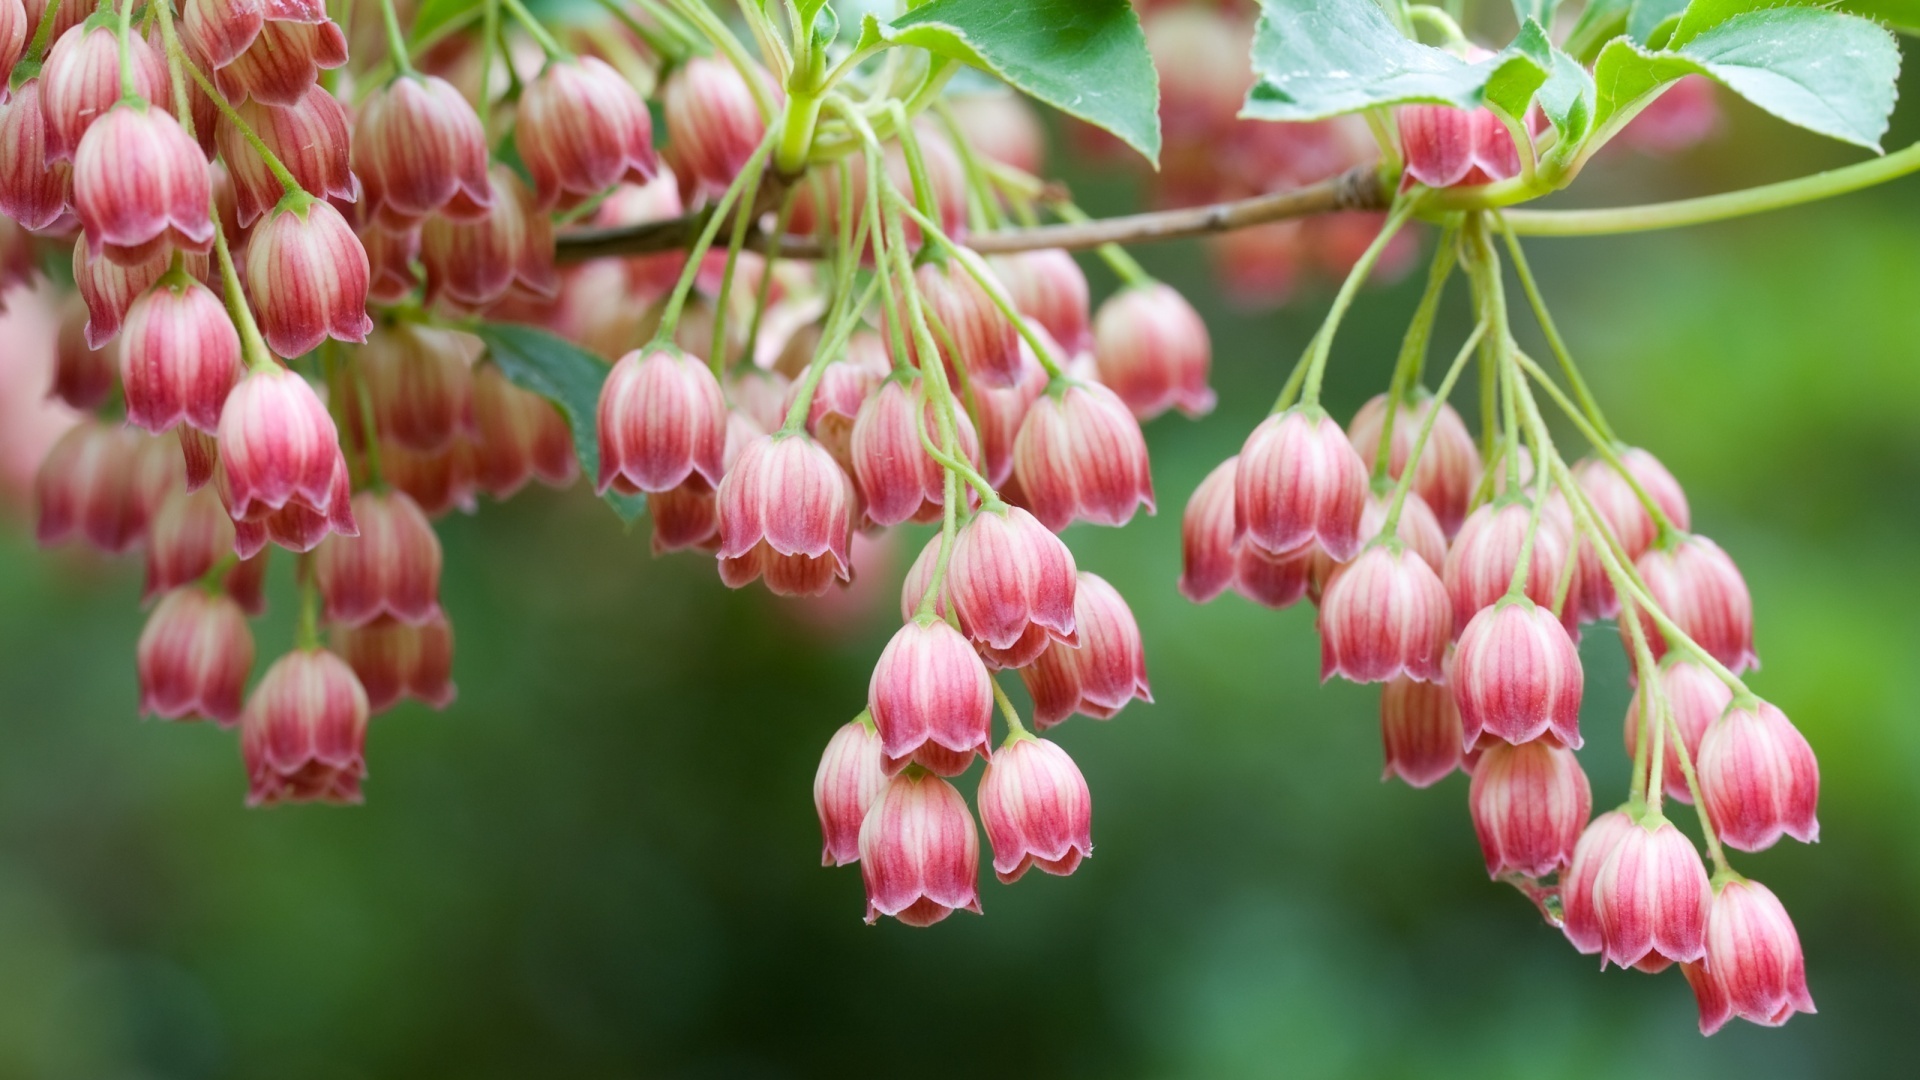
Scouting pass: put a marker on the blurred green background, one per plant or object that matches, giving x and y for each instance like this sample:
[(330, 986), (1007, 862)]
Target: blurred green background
[(603, 862)]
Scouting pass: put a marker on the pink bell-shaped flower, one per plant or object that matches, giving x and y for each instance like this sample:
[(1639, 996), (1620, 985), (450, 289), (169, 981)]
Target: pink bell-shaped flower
[(1529, 803), (1048, 287), (1754, 967), (194, 657), (1701, 590), (1449, 467), (786, 514), (931, 699), (1759, 778), (1036, 809), (392, 568), (1383, 616), (303, 734), (1299, 481), (851, 775), (1419, 731), (395, 660), (179, 356), (1651, 897), (663, 418), (1080, 455), (133, 213), (1097, 677), (1579, 919), (1152, 350), (1010, 579), (1517, 676), (418, 149), (919, 853), (308, 277), (311, 137), (1695, 697), (581, 129), (279, 450), (899, 481)]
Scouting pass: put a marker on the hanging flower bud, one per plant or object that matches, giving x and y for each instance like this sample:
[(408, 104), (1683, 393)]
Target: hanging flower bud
[(1449, 467), (199, 452), (713, 122), (688, 516), (519, 434), (1385, 616), (394, 660), (1651, 898), (1008, 575), (1275, 581), (1759, 778), (1417, 529), (418, 148), (194, 657), (1096, 678), (1449, 147), (1001, 126), (1480, 564), (919, 854), (420, 383), (1517, 676), (307, 276), (1419, 731), (1000, 414), (1701, 590), (81, 84), (898, 478), (663, 418), (86, 487), (1754, 967), (390, 258), (439, 480), (851, 776), (1299, 481), (82, 375), (786, 513), (14, 30), (843, 388), (1036, 808), (931, 699), (1048, 287), (969, 328), (1622, 509), (110, 289), (1696, 697), (189, 533), (391, 568), (279, 449), (272, 52), (311, 137), (132, 214), (582, 128), (1154, 352), (303, 735), (179, 356), (1080, 454), (1578, 917), (1529, 803), (471, 264), (33, 188), (1206, 535)]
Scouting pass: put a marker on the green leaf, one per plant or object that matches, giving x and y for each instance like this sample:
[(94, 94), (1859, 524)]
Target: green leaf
[(437, 18), (1321, 58), (1540, 11), (1087, 58), (1647, 17), (566, 375), (1566, 99), (1819, 69), (1599, 22), (1902, 15)]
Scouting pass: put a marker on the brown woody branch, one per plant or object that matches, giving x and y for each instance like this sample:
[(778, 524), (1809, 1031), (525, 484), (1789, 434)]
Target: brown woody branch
[(1358, 188)]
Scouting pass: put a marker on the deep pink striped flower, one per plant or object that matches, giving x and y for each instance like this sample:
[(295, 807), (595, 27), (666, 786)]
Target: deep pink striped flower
[(1206, 535), (279, 450), (418, 149), (1480, 564), (85, 487), (1080, 455), (518, 435), (1036, 809), (984, 342), (395, 660), (1099, 675), (391, 569), (473, 262), (1299, 482), (786, 514), (1579, 919), (1449, 467), (663, 418), (419, 380), (835, 405), (583, 128), (1759, 778), (713, 123), (1529, 803), (1621, 509), (390, 258), (311, 137), (439, 480), (898, 479), (33, 188), (1384, 616), (179, 356), (307, 276), (14, 30), (919, 853), (190, 532), (1448, 147), (1418, 530), (931, 699), (1701, 590), (194, 657), (1001, 413), (270, 50), (1695, 698), (1516, 676), (1008, 576), (1048, 287), (303, 734), (852, 774), (1650, 898), (83, 376), (110, 288), (134, 212), (1151, 348), (1754, 967), (1419, 731), (80, 83)]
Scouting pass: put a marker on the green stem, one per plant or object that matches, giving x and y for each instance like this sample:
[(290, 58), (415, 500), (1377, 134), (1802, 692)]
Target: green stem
[(1663, 524), (534, 30), (176, 74), (396, 41), (1392, 524), (129, 86), (306, 634), (489, 46), (742, 224), (676, 303), (716, 32), (1637, 787), (923, 196), (1708, 208), (42, 32), (1654, 717), (1015, 729), (661, 42), (274, 165), (1123, 264), (983, 210), (1323, 341), (1547, 326), (1413, 350), (989, 284)]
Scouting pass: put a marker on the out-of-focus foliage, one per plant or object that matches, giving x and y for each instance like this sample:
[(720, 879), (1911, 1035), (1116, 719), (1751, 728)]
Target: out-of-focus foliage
[(602, 861)]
